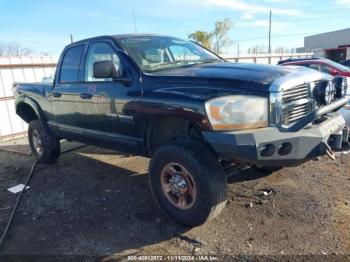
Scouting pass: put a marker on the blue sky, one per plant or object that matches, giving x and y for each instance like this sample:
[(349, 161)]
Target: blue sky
[(45, 26)]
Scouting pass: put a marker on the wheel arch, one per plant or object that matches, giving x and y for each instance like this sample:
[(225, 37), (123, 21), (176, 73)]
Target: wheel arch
[(26, 112), (29, 110), (167, 129)]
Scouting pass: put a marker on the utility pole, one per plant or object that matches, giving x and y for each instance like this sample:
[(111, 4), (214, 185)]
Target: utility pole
[(71, 38), (270, 37), (270, 32), (133, 16)]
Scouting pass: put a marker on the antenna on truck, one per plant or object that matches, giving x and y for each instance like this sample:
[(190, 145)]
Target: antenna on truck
[(71, 38)]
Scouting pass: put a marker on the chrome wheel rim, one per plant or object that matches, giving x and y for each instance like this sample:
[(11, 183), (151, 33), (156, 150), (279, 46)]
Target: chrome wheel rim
[(37, 143), (178, 186)]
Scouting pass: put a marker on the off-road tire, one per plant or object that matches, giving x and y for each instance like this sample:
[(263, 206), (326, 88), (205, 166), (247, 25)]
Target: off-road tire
[(208, 177), (50, 144)]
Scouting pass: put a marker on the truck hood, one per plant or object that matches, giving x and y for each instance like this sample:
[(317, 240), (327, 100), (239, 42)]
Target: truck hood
[(254, 77)]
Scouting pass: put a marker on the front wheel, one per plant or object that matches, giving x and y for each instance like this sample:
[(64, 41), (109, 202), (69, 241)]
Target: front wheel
[(187, 182), (45, 147)]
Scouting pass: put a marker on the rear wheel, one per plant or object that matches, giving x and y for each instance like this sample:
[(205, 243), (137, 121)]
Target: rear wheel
[(187, 182), (45, 147)]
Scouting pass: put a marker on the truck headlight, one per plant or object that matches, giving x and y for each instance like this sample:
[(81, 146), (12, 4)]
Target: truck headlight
[(341, 86), (324, 92), (237, 112)]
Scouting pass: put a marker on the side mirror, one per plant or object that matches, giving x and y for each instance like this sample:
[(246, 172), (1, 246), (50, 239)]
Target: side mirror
[(106, 69)]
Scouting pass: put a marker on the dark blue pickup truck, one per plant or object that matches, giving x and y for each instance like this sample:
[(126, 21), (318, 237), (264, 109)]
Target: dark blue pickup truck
[(191, 111)]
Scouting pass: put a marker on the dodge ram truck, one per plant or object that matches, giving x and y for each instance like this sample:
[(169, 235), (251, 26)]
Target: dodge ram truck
[(192, 112)]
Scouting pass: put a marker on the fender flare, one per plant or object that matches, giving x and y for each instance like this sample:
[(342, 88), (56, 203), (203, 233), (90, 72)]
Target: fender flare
[(36, 108)]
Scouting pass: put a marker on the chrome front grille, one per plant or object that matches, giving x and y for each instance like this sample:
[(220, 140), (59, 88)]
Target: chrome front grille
[(291, 96), (295, 104)]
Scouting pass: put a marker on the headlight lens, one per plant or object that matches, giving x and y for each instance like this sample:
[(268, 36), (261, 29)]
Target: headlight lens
[(341, 86), (324, 92), (237, 112)]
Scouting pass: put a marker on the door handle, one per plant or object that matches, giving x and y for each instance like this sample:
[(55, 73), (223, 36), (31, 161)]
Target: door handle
[(56, 94), (85, 95)]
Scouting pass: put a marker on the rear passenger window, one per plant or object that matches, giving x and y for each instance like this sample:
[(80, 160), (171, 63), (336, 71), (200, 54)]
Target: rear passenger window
[(70, 64)]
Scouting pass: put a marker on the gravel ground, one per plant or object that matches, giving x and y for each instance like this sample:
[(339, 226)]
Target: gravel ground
[(97, 202)]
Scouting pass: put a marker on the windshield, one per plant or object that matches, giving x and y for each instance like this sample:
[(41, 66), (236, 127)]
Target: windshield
[(154, 53), (337, 65)]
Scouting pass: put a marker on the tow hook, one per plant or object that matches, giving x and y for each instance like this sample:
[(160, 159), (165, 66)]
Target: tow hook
[(330, 152)]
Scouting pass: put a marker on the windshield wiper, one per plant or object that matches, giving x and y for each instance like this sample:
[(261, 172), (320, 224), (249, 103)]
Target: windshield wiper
[(161, 65), (166, 65), (180, 63), (211, 60)]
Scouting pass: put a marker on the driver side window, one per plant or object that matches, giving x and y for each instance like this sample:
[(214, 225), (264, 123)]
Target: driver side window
[(99, 52)]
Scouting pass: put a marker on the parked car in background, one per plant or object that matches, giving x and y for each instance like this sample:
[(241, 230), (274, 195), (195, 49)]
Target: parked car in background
[(346, 63), (328, 67), (320, 64)]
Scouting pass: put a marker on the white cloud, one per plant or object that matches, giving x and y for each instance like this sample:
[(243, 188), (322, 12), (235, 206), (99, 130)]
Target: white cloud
[(346, 3), (276, 26), (276, 1), (253, 8), (255, 23), (248, 16)]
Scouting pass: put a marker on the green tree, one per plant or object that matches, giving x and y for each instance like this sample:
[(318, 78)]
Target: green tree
[(202, 38), (220, 34)]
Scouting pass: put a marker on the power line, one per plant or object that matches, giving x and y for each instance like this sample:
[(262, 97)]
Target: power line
[(276, 36), (324, 17)]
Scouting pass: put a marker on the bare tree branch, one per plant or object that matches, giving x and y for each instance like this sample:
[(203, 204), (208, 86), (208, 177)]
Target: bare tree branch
[(14, 49), (220, 34)]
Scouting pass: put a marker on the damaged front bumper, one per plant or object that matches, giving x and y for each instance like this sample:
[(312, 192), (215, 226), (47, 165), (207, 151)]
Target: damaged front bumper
[(274, 147)]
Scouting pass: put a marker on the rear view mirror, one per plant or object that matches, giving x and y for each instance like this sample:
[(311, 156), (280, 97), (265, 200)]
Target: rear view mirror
[(106, 69)]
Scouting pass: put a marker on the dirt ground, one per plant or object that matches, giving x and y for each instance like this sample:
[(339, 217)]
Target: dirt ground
[(97, 202)]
